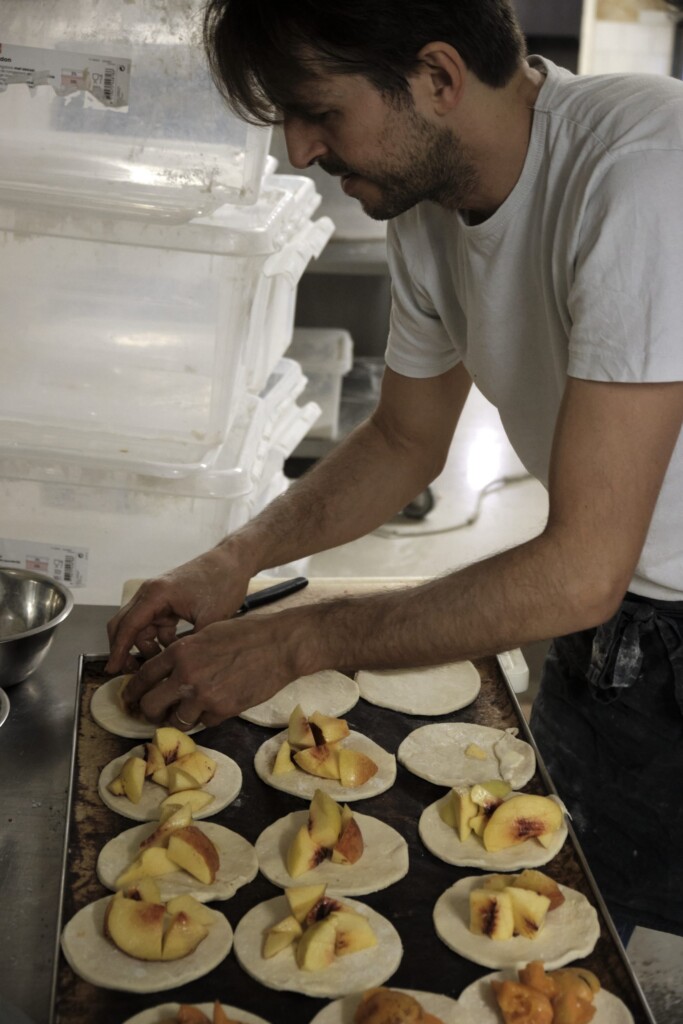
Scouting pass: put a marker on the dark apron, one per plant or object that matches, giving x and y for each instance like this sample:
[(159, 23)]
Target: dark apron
[(608, 721)]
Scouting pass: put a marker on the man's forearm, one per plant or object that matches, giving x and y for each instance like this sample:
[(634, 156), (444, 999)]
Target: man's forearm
[(363, 482), (525, 594)]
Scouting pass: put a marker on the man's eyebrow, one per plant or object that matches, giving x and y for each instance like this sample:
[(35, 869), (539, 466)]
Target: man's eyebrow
[(303, 108)]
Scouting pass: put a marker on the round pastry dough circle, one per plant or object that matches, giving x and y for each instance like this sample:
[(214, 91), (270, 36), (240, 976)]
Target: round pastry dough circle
[(342, 1011), (569, 932), (384, 860), (478, 1002), (106, 711), (330, 692), (300, 783), (158, 1014), (223, 787), (352, 973), (442, 840), (437, 753), (98, 961), (422, 691), (238, 864)]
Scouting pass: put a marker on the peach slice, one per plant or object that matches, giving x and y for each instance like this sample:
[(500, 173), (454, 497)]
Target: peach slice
[(458, 811), (331, 729), (182, 937), (281, 935), (154, 759), (179, 779), (133, 778), (302, 899), (315, 949), (521, 817), (491, 914), (154, 862), (304, 853), (190, 849), (173, 743), (529, 910), (172, 817), (198, 764), (195, 799), (322, 761), (299, 732), (192, 907), (538, 882), (355, 768), (324, 819), (354, 932), (283, 759), (135, 927), (349, 847)]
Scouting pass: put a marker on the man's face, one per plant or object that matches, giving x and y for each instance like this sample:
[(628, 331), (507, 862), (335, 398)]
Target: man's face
[(389, 156)]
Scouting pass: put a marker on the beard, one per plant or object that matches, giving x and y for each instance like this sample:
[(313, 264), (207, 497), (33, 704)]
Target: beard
[(432, 165)]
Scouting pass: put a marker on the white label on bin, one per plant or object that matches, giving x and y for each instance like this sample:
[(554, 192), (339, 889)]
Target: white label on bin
[(66, 565), (105, 81)]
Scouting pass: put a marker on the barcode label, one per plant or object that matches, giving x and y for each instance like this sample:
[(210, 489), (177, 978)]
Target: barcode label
[(109, 80), (104, 81), (64, 564)]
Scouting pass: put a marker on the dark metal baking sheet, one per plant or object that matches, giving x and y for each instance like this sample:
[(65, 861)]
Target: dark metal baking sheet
[(427, 963)]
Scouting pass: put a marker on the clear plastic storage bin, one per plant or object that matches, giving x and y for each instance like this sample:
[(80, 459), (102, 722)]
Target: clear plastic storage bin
[(109, 104), (134, 344), (96, 526), (325, 356)]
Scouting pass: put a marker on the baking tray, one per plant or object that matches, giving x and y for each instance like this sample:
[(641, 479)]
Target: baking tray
[(427, 963)]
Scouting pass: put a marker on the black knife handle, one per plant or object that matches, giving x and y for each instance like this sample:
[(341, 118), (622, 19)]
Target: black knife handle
[(274, 593)]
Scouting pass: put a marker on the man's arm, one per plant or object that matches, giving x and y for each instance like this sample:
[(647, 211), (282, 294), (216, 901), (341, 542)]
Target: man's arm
[(612, 445), (368, 478)]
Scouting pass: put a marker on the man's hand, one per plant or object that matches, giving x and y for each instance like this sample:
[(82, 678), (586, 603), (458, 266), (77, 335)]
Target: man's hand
[(207, 589), (217, 673)]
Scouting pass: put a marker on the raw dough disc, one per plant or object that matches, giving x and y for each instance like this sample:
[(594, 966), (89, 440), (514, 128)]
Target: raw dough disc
[(352, 973), (437, 753), (422, 691), (478, 1002), (384, 860), (300, 783), (341, 1011), (158, 1014), (442, 840), (569, 932), (238, 864), (329, 692), (224, 787), (97, 960), (107, 712)]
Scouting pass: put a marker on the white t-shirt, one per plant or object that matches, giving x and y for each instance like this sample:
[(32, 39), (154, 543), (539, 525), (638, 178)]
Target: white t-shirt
[(579, 273)]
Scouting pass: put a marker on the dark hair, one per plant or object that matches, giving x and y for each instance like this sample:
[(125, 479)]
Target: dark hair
[(262, 51)]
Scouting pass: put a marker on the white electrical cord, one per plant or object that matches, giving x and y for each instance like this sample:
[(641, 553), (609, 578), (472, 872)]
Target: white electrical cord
[(491, 487)]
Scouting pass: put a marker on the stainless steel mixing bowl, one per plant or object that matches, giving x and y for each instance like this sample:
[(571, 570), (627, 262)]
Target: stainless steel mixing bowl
[(32, 606)]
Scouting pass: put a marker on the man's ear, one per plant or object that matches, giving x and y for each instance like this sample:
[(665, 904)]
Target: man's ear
[(441, 76)]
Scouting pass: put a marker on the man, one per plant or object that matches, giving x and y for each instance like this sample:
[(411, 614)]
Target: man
[(534, 249)]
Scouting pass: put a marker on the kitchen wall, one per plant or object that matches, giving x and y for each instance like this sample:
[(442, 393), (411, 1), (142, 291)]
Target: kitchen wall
[(626, 35)]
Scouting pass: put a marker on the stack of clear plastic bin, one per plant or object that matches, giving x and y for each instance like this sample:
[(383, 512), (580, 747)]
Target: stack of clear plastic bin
[(149, 263)]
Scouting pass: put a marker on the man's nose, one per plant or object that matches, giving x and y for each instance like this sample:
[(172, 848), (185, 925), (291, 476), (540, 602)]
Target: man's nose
[(304, 145)]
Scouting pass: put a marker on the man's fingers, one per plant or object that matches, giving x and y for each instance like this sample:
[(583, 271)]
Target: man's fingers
[(186, 714), (151, 672), (147, 606)]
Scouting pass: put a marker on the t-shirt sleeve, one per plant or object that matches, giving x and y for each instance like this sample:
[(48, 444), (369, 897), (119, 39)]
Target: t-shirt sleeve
[(418, 343), (626, 298)]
